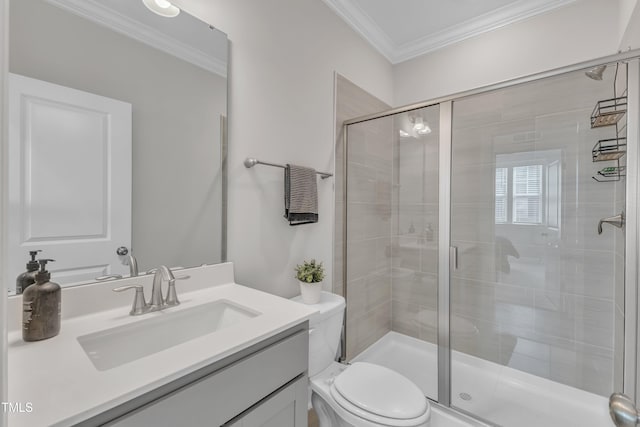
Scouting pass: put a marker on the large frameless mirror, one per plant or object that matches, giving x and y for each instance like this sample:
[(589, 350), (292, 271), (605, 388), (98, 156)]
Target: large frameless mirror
[(116, 138)]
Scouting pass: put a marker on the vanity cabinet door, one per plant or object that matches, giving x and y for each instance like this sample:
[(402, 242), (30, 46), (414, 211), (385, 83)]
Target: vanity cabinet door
[(285, 408)]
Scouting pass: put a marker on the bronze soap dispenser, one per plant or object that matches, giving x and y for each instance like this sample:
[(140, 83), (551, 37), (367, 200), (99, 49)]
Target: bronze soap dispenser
[(41, 303), (28, 278)]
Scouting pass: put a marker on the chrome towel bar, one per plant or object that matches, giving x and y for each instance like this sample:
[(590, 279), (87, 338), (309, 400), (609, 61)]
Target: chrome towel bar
[(250, 162)]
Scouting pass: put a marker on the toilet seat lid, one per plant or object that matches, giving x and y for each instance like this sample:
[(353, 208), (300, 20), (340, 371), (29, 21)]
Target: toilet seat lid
[(380, 391)]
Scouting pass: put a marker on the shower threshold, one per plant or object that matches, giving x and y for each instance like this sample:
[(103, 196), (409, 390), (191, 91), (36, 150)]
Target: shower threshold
[(502, 395)]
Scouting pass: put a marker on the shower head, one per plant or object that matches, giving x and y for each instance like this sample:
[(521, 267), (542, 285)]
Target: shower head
[(596, 72)]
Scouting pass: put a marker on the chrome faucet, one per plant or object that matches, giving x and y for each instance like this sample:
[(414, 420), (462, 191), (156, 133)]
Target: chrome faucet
[(157, 302), (139, 305), (133, 269), (133, 266), (123, 251), (616, 221)]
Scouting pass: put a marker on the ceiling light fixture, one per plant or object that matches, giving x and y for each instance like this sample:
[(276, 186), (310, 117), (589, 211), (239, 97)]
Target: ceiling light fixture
[(596, 72), (420, 127), (162, 8), (403, 134)]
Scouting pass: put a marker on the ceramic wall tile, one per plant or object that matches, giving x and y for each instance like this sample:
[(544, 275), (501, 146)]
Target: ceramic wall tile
[(369, 212), (364, 331), (404, 318)]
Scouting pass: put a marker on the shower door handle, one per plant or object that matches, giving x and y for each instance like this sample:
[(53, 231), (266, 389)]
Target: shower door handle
[(616, 221), (453, 258), (622, 410)]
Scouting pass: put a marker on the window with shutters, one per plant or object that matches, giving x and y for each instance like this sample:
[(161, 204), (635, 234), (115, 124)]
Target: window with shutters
[(519, 194), (502, 204), (527, 194)]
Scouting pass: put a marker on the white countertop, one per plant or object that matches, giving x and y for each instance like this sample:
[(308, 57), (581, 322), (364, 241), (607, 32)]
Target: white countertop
[(64, 387)]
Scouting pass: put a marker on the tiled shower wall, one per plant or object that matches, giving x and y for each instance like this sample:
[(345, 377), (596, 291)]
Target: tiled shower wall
[(370, 158)]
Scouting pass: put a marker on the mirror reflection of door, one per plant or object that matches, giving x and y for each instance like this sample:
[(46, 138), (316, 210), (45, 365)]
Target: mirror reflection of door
[(70, 180)]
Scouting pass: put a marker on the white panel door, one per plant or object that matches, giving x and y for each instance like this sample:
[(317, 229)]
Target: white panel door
[(69, 180)]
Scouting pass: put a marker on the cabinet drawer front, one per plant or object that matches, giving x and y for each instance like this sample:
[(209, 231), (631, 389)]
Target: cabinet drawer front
[(220, 396), (285, 408)]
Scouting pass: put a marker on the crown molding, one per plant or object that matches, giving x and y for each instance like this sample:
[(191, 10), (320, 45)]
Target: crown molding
[(493, 20), (364, 25), (96, 12)]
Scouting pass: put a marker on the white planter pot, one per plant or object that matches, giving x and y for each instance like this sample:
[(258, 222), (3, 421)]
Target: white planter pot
[(310, 292)]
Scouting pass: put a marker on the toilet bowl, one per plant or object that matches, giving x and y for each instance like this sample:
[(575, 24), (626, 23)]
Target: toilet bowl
[(364, 394), (358, 395)]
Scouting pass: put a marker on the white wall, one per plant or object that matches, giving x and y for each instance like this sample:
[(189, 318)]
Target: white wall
[(283, 55), (625, 14), (582, 31), (629, 23)]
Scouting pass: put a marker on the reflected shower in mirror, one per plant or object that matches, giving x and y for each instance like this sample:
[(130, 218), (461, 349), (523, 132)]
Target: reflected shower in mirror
[(117, 119)]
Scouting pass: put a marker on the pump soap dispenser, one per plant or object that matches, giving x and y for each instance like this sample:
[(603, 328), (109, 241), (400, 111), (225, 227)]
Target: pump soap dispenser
[(41, 307), (28, 277)]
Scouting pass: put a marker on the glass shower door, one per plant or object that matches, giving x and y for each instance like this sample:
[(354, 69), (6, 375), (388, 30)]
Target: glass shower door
[(414, 253), (392, 244), (537, 295)]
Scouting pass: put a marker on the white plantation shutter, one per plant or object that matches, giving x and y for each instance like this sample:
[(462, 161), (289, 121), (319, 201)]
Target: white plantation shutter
[(527, 194), (501, 195)]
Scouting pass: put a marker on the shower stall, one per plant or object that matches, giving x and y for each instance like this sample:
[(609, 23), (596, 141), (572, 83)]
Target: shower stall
[(490, 245)]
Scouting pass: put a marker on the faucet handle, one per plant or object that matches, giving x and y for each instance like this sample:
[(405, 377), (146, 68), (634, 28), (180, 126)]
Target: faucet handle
[(139, 305), (172, 296), (153, 270), (109, 277)]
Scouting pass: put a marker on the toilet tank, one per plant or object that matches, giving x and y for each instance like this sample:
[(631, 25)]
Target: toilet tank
[(324, 331)]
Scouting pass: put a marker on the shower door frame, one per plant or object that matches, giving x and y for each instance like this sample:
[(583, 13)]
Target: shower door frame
[(447, 254)]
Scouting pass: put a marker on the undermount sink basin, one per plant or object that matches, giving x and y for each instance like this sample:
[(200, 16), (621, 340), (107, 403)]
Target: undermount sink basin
[(113, 347)]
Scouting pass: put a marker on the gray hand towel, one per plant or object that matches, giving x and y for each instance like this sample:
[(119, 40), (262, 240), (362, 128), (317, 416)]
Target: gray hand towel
[(300, 195)]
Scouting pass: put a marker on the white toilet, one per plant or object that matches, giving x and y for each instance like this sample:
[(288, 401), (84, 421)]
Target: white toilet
[(361, 394)]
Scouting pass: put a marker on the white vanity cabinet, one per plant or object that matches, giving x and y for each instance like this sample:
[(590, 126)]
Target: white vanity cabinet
[(264, 385)]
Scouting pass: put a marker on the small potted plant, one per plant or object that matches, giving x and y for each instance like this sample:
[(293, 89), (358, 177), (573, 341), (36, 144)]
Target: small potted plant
[(310, 275)]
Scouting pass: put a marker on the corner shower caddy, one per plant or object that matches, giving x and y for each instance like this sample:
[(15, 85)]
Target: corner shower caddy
[(608, 113)]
